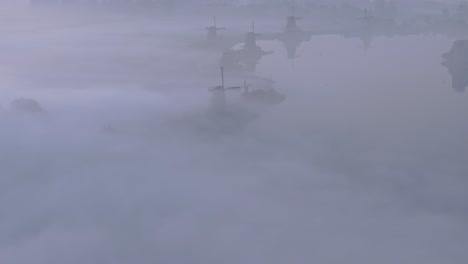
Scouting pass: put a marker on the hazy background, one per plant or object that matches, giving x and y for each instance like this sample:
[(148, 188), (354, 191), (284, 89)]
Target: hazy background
[(365, 162)]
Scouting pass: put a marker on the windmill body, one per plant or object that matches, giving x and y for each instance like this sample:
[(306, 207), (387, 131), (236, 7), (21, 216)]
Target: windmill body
[(225, 116), (212, 31)]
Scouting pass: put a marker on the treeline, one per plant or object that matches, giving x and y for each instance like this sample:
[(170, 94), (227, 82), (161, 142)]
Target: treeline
[(101, 2)]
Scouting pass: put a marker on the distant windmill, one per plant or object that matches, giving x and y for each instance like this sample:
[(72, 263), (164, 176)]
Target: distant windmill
[(219, 94), (291, 23), (251, 38), (212, 31), (367, 16)]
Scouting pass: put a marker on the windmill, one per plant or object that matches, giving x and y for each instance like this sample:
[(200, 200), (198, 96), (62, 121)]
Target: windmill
[(251, 39), (251, 54), (212, 32), (291, 22), (367, 17), (219, 94), (246, 89)]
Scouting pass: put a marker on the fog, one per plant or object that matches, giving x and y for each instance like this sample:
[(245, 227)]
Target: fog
[(364, 162)]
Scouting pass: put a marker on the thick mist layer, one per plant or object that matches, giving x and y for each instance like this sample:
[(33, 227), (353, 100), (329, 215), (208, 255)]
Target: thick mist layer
[(364, 162)]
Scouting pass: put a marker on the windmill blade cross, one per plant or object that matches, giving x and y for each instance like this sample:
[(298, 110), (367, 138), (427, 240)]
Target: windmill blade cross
[(214, 88), (233, 87)]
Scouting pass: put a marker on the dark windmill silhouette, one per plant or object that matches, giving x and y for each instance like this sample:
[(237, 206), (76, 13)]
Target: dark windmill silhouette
[(292, 36), (251, 54), (212, 31), (247, 57), (218, 99), (291, 21), (226, 117)]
